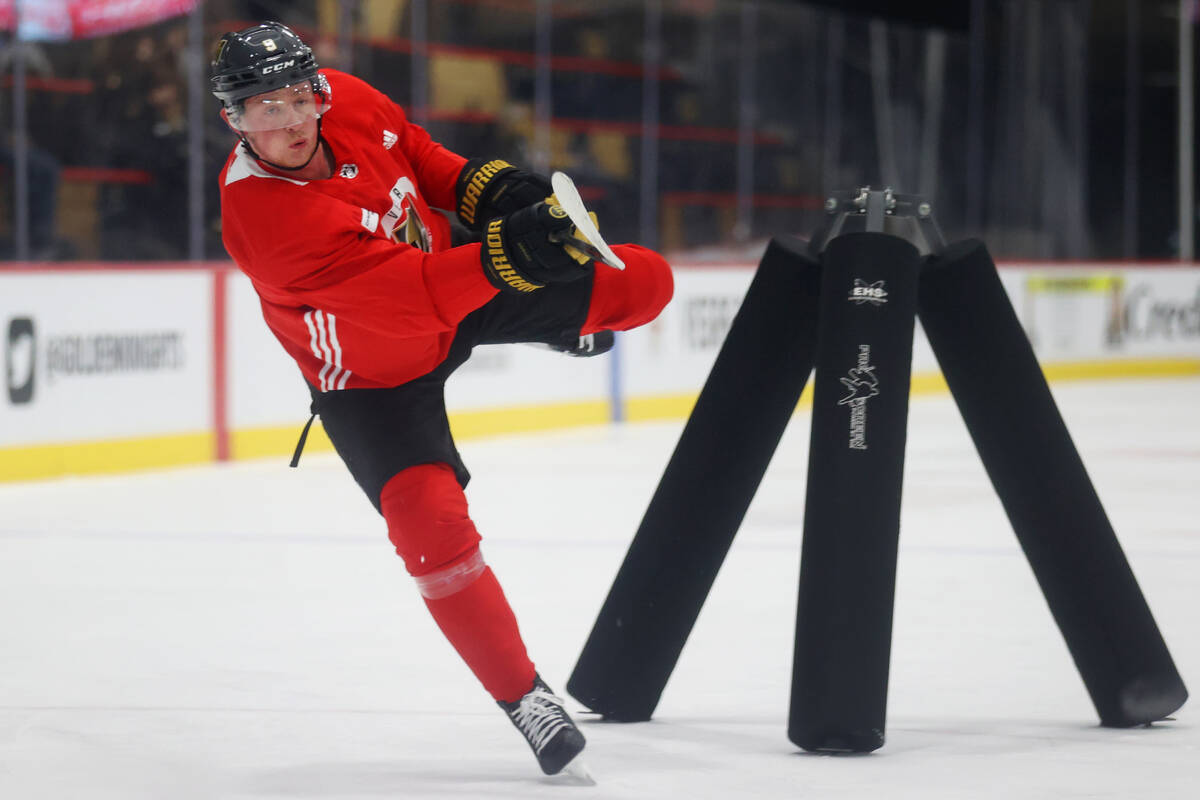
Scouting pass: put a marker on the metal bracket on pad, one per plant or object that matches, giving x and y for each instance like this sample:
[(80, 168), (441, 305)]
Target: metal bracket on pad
[(907, 216)]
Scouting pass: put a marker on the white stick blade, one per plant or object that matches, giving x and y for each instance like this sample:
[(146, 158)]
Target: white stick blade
[(572, 203)]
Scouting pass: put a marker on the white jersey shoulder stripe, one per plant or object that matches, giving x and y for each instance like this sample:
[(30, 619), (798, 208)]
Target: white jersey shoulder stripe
[(245, 166)]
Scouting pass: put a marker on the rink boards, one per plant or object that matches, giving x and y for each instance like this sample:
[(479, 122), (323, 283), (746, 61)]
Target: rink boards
[(110, 368)]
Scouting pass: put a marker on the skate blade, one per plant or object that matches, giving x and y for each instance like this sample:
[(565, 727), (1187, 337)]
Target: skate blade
[(576, 773)]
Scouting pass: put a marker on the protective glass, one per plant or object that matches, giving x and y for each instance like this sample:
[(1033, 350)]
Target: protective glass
[(287, 107)]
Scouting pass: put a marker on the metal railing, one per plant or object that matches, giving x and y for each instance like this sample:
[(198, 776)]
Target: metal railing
[(691, 125)]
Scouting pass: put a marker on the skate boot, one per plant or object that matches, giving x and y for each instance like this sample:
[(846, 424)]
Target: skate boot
[(593, 344), (542, 720)]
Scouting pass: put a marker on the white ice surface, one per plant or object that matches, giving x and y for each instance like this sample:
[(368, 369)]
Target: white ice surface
[(244, 631)]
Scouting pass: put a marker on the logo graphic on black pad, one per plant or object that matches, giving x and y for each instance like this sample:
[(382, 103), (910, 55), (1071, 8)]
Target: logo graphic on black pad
[(861, 384), (19, 360)]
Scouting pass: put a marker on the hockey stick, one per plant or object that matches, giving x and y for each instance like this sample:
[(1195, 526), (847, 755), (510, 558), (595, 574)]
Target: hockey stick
[(593, 244)]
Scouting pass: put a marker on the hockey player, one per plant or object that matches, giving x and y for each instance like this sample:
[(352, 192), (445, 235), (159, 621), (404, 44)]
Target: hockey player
[(329, 204)]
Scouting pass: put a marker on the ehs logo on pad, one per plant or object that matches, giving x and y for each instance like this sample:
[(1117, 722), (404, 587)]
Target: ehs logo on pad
[(861, 385), (863, 292)]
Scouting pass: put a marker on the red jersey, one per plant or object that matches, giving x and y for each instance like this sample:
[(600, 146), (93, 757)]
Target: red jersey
[(355, 273)]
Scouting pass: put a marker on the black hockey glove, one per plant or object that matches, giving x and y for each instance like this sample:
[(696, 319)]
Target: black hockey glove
[(524, 251), (490, 188)]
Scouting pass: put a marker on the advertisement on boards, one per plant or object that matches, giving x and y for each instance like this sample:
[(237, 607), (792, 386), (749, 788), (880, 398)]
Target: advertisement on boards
[(106, 355)]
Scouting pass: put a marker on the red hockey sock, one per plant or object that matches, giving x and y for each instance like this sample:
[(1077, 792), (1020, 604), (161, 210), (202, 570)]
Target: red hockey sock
[(480, 624), (428, 523)]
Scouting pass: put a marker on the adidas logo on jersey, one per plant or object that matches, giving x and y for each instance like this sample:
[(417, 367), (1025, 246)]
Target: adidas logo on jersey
[(389, 139)]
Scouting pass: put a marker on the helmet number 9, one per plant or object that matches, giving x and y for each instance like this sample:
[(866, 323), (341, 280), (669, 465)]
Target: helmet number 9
[(269, 45)]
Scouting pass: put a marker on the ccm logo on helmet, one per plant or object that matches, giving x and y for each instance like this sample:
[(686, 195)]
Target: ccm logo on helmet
[(282, 65)]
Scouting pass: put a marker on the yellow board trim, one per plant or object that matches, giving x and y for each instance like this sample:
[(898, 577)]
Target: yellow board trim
[(272, 441), (156, 452), (1074, 283), (1133, 368), (110, 455), (526, 419), (277, 440), (646, 408)]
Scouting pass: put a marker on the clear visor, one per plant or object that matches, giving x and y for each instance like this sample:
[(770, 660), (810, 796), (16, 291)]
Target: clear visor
[(288, 107)]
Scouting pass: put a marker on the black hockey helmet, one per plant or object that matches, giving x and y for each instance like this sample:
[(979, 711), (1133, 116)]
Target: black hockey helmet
[(260, 59)]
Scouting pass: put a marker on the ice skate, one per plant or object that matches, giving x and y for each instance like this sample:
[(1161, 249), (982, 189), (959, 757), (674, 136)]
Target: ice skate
[(542, 720), (593, 344)]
